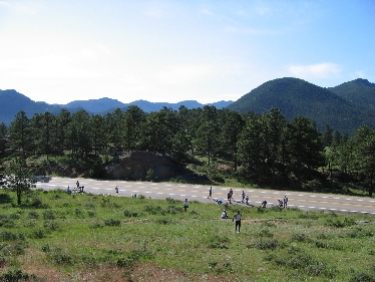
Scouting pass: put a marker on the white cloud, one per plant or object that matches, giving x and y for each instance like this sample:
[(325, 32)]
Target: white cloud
[(323, 70)]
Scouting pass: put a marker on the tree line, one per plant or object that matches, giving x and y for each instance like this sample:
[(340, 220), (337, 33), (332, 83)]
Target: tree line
[(265, 147)]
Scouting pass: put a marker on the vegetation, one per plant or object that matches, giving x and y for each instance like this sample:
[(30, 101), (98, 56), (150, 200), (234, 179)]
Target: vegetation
[(98, 238), (344, 107), (219, 147)]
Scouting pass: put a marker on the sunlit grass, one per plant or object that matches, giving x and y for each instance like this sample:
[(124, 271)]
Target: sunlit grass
[(73, 236)]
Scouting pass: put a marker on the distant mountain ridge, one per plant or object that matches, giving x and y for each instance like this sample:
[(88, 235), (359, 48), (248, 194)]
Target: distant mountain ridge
[(11, 102), (106, 104)]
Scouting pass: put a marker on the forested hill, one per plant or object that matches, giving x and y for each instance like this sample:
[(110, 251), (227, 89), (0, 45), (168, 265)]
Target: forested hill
[(360, 92), (296, 97)]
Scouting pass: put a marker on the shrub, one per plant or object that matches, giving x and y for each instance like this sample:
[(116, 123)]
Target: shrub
[(173, 201), (128, 213), (164, 221), (340, 224), (359, 233), (264, 244), (8, 236), (264, 233), (133, 257), (60, 257), (16, 275), (91, 213), (33, 214), (112, 222), (362, 277), (48, 214), (38, 234), (300, 237)]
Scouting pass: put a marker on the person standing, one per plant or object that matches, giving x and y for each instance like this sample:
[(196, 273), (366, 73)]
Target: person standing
[(116, 189), (209, 193), (285, 202), (237, 222), (186, 205), (247, 200), (243, 196)]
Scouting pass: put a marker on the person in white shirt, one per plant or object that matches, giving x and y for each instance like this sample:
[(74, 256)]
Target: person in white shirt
[(186, 204), (237, 220)]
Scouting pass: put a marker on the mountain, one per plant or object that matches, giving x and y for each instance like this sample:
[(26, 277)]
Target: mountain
[(12, 102), (95, 105), (106, 104), (360, 92), (295, 97)]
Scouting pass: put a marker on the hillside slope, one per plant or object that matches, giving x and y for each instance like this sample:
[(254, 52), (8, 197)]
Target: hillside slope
[(295, 97), (360, 92)]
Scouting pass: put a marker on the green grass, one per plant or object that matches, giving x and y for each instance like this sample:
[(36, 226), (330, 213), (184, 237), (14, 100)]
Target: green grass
[(129, 239)]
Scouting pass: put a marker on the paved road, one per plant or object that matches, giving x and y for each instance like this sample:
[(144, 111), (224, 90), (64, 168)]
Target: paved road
[(303, 201)]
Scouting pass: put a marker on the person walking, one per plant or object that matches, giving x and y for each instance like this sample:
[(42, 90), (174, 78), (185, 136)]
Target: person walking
[(186, 205), (237, 222), (285, 202), (209, 193)]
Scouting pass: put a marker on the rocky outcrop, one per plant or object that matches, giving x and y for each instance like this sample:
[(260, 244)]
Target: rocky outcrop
[(143, 166)]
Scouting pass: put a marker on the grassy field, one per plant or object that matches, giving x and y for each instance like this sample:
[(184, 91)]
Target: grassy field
[(58, 237)]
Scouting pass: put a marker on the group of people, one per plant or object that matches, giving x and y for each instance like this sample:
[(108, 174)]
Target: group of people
[(77, 189), (245, 199)]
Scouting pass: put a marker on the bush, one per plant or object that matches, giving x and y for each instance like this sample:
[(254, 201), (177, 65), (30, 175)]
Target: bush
[(48, 214), (8, 236), (264, 244), (16, 275), (33, 214), (112, 222), (128, 213)]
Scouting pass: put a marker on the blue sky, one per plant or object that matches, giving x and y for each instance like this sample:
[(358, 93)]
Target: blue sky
[(170, 51)]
